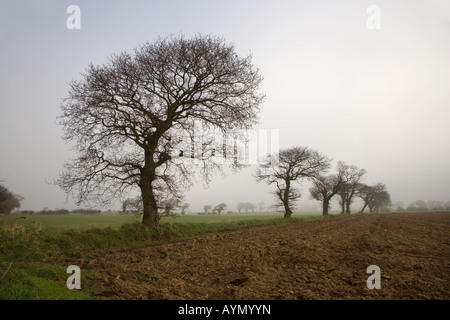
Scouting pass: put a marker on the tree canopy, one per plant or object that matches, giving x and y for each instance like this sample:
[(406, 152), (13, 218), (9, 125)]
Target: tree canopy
[(8, 200), (134, 119), (291, 165)]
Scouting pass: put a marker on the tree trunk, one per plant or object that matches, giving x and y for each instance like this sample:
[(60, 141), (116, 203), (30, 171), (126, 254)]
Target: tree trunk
[(151, 216), (347, 207), (348, 201), (364, 207), (325, 206), (287, 210)]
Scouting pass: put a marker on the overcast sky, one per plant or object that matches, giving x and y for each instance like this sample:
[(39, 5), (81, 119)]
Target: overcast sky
[(375, 98)]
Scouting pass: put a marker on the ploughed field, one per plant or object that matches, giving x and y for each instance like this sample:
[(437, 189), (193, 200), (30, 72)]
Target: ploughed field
[(321, 259)]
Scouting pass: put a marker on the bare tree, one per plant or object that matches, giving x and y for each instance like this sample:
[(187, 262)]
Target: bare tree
[(435, 205), (383, 202), (399, 206), (207, 209), (169, 205), (240, 206), (418, 205), (8, 200), (133, 204), (4, 193), (184, 207), (293, 164), (376, 197), (133, 118), (353, 177), (220, 207), (325, 188), (261, 205), (249, 206)]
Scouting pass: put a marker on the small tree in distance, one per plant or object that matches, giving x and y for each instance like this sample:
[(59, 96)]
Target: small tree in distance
[(184, 207), (375, 197), (220, 207), (207, 209), (324, 188), (294, 164), (261, 205), (353, 177), (250, 206), (133, 205), (169, 205)]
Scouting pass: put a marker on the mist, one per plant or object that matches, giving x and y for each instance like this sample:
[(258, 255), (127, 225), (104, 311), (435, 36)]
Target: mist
[(375, 98)]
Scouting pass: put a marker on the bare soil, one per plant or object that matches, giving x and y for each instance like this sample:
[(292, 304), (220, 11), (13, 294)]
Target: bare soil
[(322, 259)]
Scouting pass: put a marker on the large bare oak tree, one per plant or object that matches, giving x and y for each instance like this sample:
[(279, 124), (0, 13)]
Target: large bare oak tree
[(292, 164), (131, 117)]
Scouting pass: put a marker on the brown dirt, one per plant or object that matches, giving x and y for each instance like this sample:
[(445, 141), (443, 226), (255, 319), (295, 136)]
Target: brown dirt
[(323, 259)]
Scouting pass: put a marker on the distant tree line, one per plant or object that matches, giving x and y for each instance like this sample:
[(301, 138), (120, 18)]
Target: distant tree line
[(46, 211), (295, 164), (248, 206), (423, 206), (218, 209), (222, 207), (245, 206), (168, 205)]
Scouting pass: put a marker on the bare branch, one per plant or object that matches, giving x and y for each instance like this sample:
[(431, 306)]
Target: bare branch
[(128, 116)]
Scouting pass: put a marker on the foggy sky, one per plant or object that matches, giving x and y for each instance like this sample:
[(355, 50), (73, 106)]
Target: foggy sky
[(377, 99)]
